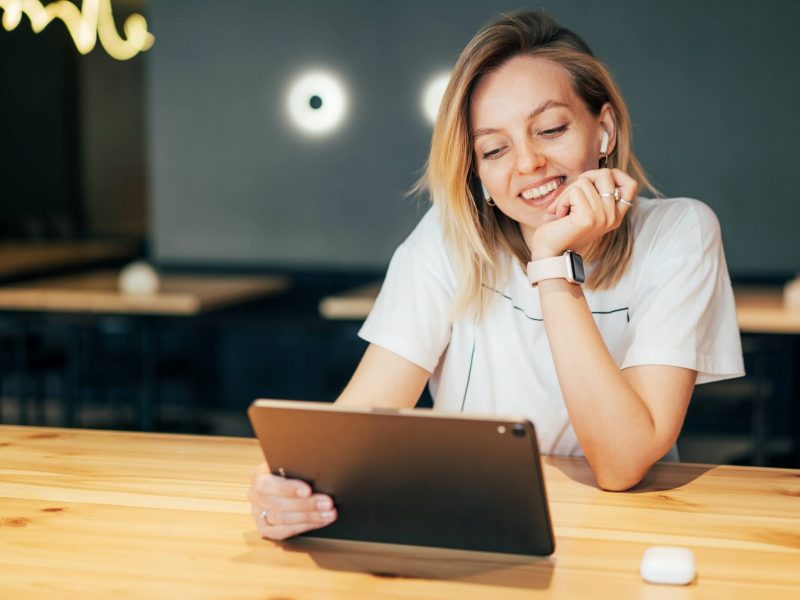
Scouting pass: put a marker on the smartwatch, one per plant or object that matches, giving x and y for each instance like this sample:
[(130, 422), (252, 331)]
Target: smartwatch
[(568, 266)]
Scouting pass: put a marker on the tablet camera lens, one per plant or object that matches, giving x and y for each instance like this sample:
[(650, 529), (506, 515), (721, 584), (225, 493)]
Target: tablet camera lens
[(518, 431)]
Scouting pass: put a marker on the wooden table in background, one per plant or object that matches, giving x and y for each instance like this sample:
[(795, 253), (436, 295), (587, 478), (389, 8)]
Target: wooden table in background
[(353, 304), (97, 292), (761, 310), (18, 259), (109, 514)]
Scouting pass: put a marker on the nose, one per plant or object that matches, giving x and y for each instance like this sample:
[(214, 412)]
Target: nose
[(529, 158)]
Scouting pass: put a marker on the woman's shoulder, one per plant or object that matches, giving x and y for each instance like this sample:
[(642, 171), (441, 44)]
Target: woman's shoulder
[(675, 210), (428, 231), (676, 220)]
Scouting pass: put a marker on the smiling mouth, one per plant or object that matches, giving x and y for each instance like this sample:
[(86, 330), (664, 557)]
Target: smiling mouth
[(543, 191)]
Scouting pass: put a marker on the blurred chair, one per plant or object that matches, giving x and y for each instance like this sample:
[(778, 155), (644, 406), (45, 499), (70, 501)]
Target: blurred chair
[(30, 356), (118, 358), (740, 412)]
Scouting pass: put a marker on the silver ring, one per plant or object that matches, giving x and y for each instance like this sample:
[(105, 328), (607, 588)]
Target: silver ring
[(627, 203), (265, 519), (616, 194)]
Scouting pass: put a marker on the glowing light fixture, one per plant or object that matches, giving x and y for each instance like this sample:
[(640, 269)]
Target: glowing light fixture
[(432, 95), (317, 102), (85, 25)]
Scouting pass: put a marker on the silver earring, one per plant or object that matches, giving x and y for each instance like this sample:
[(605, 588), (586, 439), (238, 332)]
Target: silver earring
[(486, 196)]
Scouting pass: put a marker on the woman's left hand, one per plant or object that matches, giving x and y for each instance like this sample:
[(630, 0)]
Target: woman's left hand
[(580, 215)]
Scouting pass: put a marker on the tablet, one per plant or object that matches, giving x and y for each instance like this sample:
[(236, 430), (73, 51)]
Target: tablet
[(414, 477)]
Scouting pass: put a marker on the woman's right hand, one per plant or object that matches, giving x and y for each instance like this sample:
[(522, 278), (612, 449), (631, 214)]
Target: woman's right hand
[(283, 508)]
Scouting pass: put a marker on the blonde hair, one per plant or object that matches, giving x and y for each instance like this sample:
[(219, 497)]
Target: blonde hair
[(477, 233)]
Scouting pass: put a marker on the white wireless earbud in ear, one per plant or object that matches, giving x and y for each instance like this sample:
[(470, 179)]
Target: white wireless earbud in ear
[(604, 144), (486, 195)]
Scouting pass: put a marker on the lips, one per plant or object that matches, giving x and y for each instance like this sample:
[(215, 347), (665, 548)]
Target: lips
[(543, 194)]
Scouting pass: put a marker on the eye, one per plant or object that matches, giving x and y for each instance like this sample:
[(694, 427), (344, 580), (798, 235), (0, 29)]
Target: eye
[(551, 133), (492, 153)]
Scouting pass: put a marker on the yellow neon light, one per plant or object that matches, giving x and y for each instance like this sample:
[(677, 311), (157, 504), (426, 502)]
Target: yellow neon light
[(84, 25)]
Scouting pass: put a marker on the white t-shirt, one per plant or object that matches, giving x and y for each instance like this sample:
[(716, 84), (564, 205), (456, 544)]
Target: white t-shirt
[(674, 306)]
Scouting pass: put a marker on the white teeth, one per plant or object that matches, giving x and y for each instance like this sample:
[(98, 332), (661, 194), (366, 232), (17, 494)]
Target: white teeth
[(542, 189)]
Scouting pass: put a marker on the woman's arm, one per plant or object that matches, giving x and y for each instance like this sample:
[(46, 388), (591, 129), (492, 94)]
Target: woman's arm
[(384, 379), (625, 420)]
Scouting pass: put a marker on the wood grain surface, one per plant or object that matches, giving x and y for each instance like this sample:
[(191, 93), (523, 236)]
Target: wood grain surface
[(97, 292), (110, 514)]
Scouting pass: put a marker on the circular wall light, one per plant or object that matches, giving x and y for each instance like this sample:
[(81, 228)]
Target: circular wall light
[(316, 102), (432, 95)]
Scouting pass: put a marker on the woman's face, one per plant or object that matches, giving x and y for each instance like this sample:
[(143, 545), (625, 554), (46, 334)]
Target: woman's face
[(532, 135)]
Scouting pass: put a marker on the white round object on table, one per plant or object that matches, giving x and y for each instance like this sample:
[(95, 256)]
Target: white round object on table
[(672, 565), (791, 293), (138, 279)]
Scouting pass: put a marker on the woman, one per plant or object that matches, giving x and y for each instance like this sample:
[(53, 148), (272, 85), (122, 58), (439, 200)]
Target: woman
[(604, 368)]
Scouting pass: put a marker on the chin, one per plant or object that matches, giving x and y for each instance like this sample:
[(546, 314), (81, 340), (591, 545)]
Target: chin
[(537, 221), (546, 218)]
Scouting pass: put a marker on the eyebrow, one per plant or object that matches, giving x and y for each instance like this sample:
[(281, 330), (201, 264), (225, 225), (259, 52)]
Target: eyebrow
[(534, 113)]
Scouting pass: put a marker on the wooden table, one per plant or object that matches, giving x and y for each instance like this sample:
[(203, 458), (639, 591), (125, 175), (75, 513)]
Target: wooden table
[(762, 310), (108, 514), (18, 259), (354, 304), (97, 292)]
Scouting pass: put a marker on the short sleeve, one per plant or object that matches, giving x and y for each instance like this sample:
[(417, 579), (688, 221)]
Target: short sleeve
[(412, 314), (683, 313)]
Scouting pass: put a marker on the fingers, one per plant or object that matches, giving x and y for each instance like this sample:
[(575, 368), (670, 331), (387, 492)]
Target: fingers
[(629, 187), (611, 186), (573, 204), (275, 503), (272, 485), (586, 209), (566, 201), (283, 507), (282, 523), (602, 212), (285, 529), (277, 515), (581, 215), (603, 205)]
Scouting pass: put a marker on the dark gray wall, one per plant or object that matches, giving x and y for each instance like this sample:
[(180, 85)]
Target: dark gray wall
[(113, 156), (39, 135), (711, 87)]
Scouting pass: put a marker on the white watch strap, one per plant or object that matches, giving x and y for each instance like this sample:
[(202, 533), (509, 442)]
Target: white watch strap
[(548, 268)]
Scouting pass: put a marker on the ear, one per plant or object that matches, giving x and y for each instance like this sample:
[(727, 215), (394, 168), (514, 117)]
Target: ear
[(608, 123)]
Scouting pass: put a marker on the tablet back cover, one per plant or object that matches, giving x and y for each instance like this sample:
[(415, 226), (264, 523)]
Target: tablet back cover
[(414, 477)]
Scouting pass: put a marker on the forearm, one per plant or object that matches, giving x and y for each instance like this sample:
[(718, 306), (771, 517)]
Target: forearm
[(613, 424)]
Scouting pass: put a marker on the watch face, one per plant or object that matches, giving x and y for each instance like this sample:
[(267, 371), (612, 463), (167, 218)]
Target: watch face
[(577, 267)]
